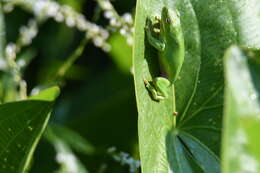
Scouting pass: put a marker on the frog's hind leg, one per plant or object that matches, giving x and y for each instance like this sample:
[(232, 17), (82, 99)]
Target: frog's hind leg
[(156, 95)]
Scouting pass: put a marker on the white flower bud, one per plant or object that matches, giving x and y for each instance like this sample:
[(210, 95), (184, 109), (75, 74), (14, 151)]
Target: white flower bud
[(106, 5), (10, 51), (127, 17), (113, 22), (70, 21), (98, 41), (123, 32), (108, 14), (81, 23), (53, 9), (106, 47), (59, 17)]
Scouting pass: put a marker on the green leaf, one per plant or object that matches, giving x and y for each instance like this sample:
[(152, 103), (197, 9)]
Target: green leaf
[(246, 20), (192, 145), (73, 139), (241, 151), (49, 94), (22, 124), (64, 155)]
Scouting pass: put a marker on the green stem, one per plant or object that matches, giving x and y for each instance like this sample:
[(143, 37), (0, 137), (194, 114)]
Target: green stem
[(70, 61), (174, 106)]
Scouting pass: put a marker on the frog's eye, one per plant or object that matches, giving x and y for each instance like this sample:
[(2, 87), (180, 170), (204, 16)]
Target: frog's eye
[(168, 20)]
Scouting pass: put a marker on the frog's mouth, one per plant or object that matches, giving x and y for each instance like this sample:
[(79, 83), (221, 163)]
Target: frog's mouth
[(163, 74)]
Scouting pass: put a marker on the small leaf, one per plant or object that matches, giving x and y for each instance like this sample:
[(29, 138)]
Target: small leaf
[(49, 94)]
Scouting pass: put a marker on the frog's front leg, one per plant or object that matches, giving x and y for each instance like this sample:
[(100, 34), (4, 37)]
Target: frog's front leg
[(151, 30), (159, 88)]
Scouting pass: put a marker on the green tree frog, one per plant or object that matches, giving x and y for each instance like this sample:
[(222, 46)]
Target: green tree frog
[(165, 34)]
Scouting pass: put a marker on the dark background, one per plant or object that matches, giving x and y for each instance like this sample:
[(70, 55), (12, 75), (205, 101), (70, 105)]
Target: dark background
[(97, 94)]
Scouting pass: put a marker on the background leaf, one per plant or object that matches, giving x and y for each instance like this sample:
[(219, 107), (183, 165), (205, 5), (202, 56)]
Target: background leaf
[(194, 144), (64, 156), (22, 124), (242, 110), (246, 19), (121, 52), (72, 139)]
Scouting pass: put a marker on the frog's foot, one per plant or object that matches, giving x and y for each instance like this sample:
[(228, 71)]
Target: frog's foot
[(157, 19), (162, 83), (158, 89), (156, 24)]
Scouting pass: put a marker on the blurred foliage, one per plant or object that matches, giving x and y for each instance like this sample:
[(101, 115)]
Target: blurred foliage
[(121, 52), (97, 94)]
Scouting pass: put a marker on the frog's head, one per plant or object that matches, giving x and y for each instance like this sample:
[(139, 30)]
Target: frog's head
[(170, 20)]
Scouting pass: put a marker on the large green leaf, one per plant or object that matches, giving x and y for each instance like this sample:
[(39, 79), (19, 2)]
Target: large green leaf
[(241, 152), (21, 126), (193, 144), (246, 20)]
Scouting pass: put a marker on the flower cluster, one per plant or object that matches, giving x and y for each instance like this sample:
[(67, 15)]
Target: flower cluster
[(44, 9), (27, 34), (123, 23), (14, 69), (124, 159), (10, 51)]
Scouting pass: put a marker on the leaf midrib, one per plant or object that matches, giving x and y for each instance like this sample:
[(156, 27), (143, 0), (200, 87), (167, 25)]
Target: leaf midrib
[(20, 132)]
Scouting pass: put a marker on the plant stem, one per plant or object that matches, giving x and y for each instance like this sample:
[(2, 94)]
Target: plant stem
[(70, 61), (174, 106)]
